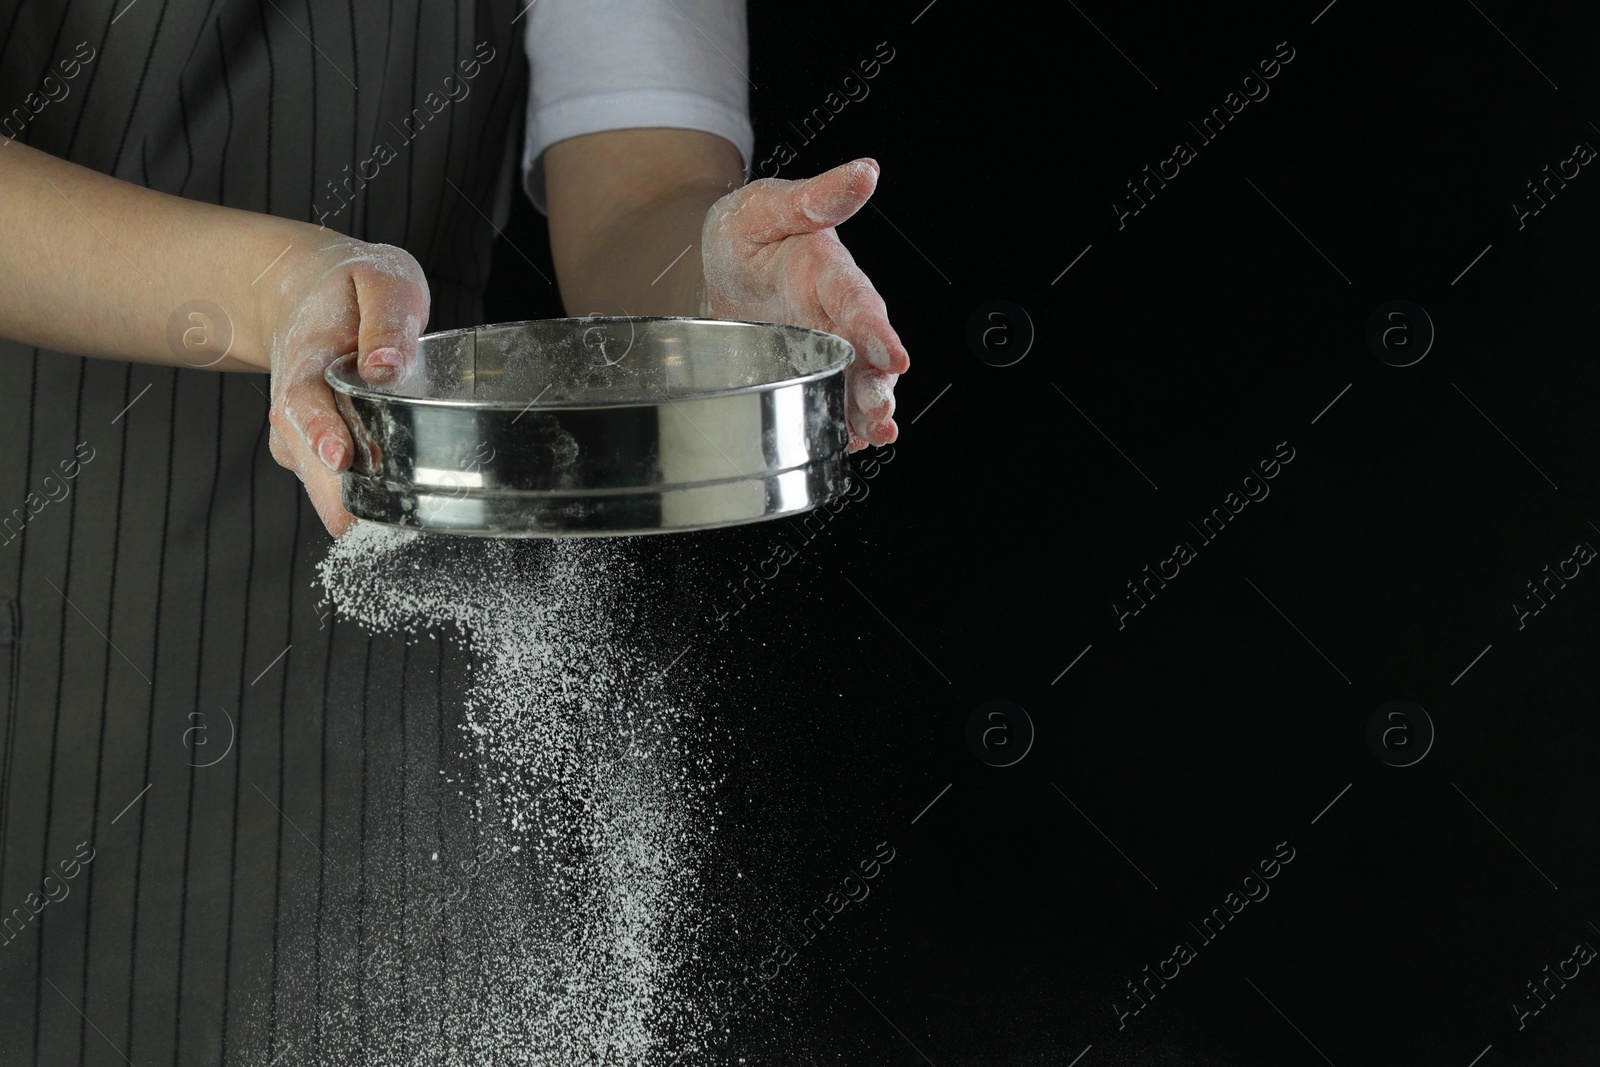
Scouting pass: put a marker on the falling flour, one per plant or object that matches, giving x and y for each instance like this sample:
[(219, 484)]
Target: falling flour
[(578, 945)]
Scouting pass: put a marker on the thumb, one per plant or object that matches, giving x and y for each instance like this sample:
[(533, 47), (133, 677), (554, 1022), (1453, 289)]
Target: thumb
[(392, 298), (820, 202)]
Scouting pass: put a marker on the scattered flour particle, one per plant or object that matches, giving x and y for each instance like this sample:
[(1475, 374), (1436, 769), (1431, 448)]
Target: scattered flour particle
[(575, 941)]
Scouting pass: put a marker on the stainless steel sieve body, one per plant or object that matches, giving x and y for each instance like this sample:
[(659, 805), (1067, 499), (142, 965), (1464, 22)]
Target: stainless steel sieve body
[(599, 427)]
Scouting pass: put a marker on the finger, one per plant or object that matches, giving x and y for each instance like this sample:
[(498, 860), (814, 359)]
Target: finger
[(833, 196), (392, 298), (321, 485), (308, 405), (778, 209), (871, 405), (853, 420), (874, 394), (849, 299), (278, 445), (324, 490), (888, 432)]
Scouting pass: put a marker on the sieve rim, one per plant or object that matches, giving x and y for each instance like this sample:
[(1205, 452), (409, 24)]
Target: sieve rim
[(342, 376)]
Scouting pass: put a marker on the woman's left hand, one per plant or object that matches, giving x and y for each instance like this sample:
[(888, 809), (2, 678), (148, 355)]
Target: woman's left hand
[(771, 254)]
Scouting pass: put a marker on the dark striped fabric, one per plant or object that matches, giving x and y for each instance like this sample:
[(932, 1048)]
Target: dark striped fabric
[(201, 802)]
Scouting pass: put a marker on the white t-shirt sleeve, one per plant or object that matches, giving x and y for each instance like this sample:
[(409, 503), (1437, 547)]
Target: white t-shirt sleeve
[(618, 64)]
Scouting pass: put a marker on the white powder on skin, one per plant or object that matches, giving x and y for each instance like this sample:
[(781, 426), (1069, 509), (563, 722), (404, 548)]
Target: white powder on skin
[(577, 944)]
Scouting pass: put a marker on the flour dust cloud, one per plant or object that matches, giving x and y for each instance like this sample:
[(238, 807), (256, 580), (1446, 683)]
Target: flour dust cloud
[(589, 806)]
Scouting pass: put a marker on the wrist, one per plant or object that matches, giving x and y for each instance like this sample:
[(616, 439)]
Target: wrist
[(276, 255)]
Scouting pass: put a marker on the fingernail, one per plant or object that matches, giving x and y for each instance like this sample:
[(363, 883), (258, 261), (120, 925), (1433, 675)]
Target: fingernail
[(383, 363), (873, 163), (878, 354), (331, 451)]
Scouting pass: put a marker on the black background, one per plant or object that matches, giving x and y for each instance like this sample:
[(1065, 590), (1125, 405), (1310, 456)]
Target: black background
[(1230, 713)]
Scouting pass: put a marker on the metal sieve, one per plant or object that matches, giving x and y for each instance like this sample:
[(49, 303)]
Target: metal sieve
[(599, 427)]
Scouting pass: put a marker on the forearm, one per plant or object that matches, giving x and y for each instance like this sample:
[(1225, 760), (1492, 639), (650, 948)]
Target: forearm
[(97, 266), (626, 212), (646, 262)]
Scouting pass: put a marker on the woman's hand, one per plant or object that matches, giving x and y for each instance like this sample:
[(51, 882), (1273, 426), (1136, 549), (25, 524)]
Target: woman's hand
[(333, 296), (771, 254)]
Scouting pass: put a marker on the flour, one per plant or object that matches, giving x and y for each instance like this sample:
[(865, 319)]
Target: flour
[(874, 393), (578, 946)]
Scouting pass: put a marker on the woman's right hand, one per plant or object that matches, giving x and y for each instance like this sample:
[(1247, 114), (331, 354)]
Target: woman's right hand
[(104, 268), (334, 296)]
